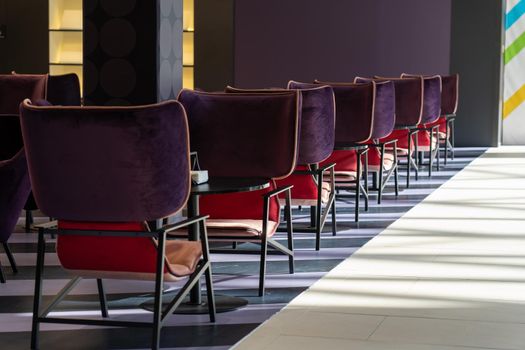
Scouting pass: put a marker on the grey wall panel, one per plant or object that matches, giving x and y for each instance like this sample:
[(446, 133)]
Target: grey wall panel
[(214, 44), (476, 54), (169, 49), (277, 40), (25, 48)]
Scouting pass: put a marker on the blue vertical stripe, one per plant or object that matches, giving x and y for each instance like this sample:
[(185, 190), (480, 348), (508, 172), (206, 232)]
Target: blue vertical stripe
[(514, 14)]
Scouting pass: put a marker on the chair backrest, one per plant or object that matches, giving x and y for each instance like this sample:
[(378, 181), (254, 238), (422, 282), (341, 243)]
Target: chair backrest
[(14, 88), (409, 99), (431, 97), (14, 190), (449, 94), (385, 107), (244, 134), (317, 121), (107, 164), (63, 90), (355, 105)]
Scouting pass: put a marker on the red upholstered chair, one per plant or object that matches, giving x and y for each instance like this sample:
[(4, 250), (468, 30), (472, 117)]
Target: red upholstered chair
[(103, 172), (354, 129), (246, 135), (449, 107), (408, 114), (380, 161), (428, 135), (316, 145)]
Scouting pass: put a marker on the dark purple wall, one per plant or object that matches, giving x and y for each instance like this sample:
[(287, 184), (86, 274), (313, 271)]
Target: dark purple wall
[(278, 40)]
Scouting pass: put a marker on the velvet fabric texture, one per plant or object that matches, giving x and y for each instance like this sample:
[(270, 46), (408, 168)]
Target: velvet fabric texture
[(384, 110), (317, 121), (431, 97), (14, 88), (244, 135), (107, 164), (63, 90), (449, 94), (409, 99), (354, 112), (10, 136), (14, 190)]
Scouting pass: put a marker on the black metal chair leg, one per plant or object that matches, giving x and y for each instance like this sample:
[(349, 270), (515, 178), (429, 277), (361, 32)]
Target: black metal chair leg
[(334, 221), (396, 177), (380, 180), (2, 276), (289, 229), (365, 170), (208, 274), (358, 187), (452, 141), (416, 154), (430, 157), (159, 281), (317, 232), (210, 294), (409, 159), (10, 257), (35, 327), (313, 216), (262, 269), (446, 142), (438, 149), (29, 220), (102, 298)]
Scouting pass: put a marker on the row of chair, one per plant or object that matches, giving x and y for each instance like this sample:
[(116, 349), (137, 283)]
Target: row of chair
[(104, 172)]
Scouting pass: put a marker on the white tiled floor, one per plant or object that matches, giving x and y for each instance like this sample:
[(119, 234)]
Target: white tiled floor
[(450, 274)]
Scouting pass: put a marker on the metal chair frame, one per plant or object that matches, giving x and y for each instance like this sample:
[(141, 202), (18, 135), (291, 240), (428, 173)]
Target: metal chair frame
[(160, 313)]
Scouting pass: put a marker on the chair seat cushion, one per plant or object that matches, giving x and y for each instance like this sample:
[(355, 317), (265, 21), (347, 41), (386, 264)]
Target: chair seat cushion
[(374, 158), (122, 257), (344, 160), (182, 257), (312, 201), (388, 164), (423, 139), (239, 228), (345, 178)]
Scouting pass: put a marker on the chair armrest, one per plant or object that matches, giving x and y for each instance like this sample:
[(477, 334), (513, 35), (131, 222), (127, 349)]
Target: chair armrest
[(277, 191), (184, 223), (318, 171), (326, 167)]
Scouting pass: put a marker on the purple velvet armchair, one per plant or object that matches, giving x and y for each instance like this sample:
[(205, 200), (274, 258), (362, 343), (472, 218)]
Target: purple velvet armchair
[(428, 135), (246, 135), (409, 112), (380, 161), (14, 88), (104, 172), (14, 189), (354, 129), (316, 144)]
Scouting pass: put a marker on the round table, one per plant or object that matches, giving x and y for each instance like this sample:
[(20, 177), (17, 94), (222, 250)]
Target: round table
[(197, 303)]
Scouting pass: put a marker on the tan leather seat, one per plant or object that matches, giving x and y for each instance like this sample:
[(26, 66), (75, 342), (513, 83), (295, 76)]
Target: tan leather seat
[(239, 228)]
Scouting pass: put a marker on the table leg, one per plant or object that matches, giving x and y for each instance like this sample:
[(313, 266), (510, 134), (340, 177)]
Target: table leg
[(193, 235)]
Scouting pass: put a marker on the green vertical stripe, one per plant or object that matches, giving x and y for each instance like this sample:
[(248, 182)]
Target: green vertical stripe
[(515, 48)]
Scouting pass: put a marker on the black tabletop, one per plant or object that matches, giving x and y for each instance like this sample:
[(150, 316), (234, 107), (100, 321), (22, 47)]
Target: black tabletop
[(339, 146), (220, 185)]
